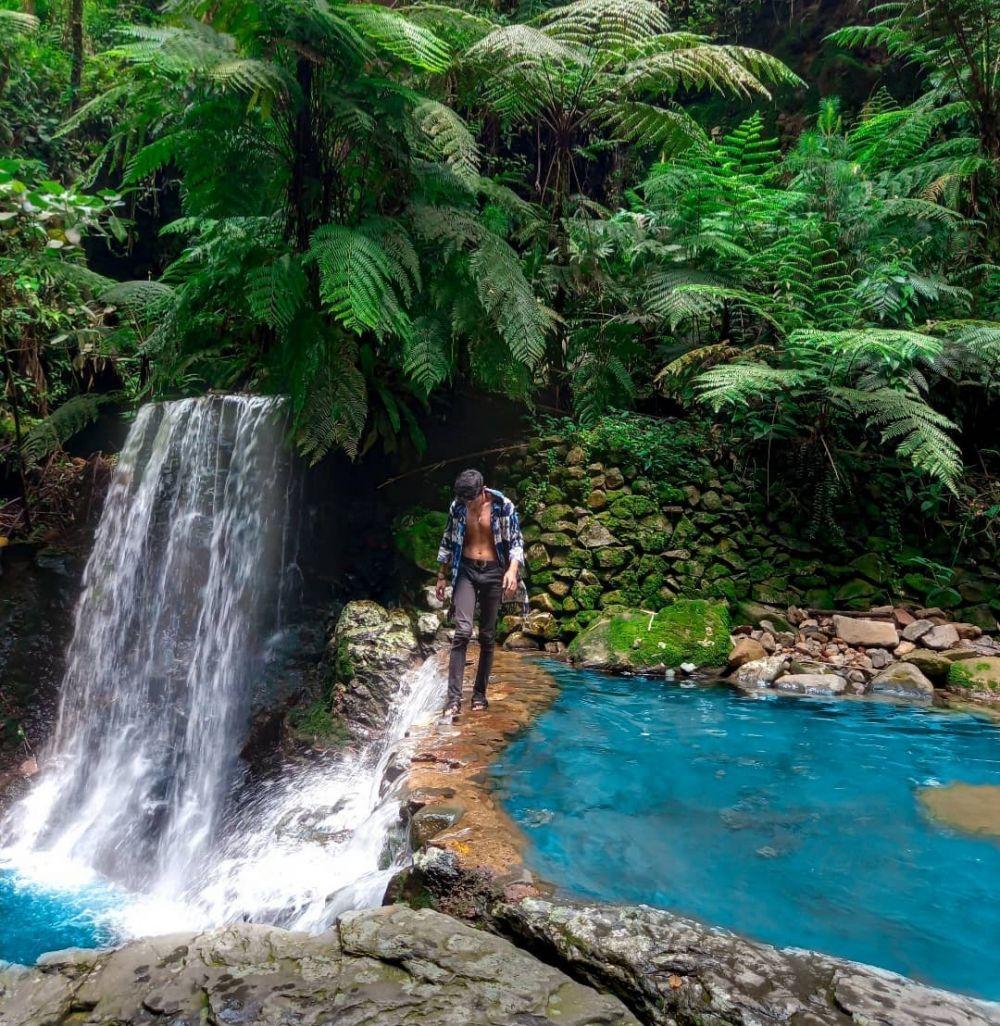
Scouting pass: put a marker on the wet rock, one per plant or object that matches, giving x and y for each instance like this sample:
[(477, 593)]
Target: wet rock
[(940, 637), (744, 651), (870, 633), (594, 535), (381, 966), (811, 684), (371, 649), (880, 658), (903, 680), (433, 820), (931, 664), (520, 642), (673, 970), (540, 624), (760, 673), (427, 626), (932, 613)]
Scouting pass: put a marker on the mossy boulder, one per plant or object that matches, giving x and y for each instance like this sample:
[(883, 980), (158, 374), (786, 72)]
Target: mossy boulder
[(417, 535), (978, 674), (687, 631)]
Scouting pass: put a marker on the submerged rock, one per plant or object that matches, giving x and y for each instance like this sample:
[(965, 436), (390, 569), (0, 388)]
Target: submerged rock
[(382, 967), (973, 808), (687, 631), (811, 684), (671, 970)]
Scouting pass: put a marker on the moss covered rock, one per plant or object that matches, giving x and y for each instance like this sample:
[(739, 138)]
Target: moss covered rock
[(417, 535), (687, 631), (979, 674)]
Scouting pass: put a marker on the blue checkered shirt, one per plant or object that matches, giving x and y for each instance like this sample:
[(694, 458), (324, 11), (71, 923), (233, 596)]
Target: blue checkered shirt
[(506, 533)]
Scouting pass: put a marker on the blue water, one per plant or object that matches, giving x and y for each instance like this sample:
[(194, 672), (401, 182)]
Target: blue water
[(792, 820), (34, 920)]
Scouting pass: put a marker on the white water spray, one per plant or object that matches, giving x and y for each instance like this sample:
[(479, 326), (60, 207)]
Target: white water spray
[(183, 590)]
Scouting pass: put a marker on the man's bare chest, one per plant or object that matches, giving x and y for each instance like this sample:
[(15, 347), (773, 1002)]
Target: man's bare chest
[(479, 528)]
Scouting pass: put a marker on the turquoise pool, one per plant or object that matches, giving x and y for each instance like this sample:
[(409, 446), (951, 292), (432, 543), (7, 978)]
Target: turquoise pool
[(796, 821), (34, 920)]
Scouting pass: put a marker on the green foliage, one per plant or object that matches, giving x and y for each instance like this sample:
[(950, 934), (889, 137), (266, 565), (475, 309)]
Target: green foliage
[(315, 722)]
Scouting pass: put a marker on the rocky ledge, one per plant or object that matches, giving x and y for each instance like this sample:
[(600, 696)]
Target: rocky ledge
[(451, 804), (887, 651), (670, 970), (380, 967)]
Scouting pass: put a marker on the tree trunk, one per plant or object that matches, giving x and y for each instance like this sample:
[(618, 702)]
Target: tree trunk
[(76, 52), (11, 392)]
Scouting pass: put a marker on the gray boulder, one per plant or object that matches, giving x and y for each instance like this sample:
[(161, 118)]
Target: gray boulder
[(870, 633), (672, 970), (902, 679), (916, 630), (381, 967), (811, 684), (760, 673), (942, 637)]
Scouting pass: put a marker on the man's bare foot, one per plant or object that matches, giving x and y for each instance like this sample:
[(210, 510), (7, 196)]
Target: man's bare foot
[(479, 703), (452, 711)]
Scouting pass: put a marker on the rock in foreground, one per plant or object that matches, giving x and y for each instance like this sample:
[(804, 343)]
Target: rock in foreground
[(380, 967), (672, 970)]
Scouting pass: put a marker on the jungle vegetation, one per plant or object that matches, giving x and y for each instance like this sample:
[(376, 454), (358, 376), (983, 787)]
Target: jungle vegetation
[(600, 205)]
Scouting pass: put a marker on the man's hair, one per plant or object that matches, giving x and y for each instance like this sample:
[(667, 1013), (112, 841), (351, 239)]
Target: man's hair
[(468, 485)]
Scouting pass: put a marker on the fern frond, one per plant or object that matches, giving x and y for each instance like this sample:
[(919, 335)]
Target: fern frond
[(507, 297), (276, 290), (357, 276), (425, 359), (400, 36), (49, 435), (449, 137), (737, 384), (918, 431)]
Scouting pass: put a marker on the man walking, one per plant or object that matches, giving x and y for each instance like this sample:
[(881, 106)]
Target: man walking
[(483, 547)]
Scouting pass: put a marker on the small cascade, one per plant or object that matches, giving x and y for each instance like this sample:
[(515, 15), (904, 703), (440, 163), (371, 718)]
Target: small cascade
[(322, 838)]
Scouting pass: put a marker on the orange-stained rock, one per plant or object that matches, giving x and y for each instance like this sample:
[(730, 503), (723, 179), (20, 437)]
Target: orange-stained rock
[(451, 762)]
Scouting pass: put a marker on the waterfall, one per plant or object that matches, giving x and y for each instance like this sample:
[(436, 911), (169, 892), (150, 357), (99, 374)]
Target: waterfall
[(183, 582), (183, 597)]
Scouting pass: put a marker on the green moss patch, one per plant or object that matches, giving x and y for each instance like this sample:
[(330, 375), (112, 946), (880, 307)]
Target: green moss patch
[(686, 631), (315, 722), (976, 674), (417, 535)]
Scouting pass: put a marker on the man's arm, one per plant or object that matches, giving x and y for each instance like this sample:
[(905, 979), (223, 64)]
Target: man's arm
[(444, 556), (516, 558)]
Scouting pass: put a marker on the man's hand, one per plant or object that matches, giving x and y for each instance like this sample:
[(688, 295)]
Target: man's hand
[(510, 581), (439, 589)]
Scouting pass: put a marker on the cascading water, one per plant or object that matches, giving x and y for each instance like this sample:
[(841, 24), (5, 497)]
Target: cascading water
[(183, 594)]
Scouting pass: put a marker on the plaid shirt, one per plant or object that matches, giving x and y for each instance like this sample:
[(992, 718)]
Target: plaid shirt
[(506, 533)]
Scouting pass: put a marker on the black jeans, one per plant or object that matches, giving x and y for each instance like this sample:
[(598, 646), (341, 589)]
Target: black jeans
[(485, 585)]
